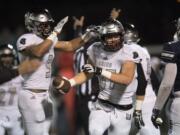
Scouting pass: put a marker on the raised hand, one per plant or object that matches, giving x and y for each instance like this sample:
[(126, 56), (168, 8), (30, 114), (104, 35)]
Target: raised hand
[(60, 25), (78, 22), (115, 13)]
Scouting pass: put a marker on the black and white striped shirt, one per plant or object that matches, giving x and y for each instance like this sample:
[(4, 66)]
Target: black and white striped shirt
[(80, 58)]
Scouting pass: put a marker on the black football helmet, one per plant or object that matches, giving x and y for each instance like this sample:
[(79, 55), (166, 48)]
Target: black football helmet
[(112, 35), (39, 22), (131, 34), (8, 57)]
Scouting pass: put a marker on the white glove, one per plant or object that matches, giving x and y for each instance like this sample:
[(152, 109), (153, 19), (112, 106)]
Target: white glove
[(60, 25), (57, 29), (88, 68)]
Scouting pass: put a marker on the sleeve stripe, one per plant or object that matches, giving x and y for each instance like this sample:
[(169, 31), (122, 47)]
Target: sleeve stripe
[(168, 54)]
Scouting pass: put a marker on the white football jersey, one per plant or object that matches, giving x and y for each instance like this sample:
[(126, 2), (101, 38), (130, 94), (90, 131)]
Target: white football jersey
[(41, 78), (113, 61), (9, 93)]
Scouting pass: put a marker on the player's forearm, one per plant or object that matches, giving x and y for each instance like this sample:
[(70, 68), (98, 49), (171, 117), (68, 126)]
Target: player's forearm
[(125, 76), (121, 78), (41, 49), (117, 77), (166, 85), (70, 45), (76, 43), (163, 94), (79, 79)]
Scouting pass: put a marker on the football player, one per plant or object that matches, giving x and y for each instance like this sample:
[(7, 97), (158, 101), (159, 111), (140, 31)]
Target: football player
[(115, 65), (169, 85), (146, 127), (10, 117), (39, 43)]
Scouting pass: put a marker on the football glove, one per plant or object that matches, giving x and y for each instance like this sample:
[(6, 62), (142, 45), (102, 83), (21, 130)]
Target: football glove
[(138, 120), (155, 118), (88, 68), (60, 25)]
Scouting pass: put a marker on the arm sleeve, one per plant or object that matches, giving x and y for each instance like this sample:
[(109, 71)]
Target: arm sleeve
[(7, 74), (142, 82), (166, 85)]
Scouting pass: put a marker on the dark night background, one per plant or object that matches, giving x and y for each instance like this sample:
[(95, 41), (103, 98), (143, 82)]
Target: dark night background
[(153, 19)]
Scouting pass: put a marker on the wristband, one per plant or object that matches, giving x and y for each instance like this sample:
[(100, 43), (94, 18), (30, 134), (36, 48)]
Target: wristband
[(52, 36), (106, 74), (138, 105), (72, 82)]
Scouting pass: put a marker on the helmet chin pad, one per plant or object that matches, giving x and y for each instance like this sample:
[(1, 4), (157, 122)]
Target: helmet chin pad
[(43, 29)]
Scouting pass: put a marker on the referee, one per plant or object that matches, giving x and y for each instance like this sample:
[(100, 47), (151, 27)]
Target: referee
[(85, 92)]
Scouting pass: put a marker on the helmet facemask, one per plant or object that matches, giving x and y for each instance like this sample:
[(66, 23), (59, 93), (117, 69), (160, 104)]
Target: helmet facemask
[(112, 35), (42, 29), (112, 42)]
